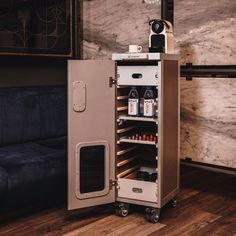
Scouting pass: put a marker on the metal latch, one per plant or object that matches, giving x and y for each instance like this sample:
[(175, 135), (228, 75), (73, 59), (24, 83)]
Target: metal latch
[(113, 183), (112, 81)]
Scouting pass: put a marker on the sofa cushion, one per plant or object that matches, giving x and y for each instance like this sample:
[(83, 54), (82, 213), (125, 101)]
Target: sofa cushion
[(34, 171), (32, 113), (57, 143)]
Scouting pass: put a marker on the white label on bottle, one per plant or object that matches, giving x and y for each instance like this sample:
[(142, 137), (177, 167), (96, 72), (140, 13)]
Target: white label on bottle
[(133, 107), (149, 107)]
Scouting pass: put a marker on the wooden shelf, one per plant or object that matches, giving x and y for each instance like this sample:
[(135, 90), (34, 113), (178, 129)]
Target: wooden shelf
[(126, 140), (127, 150), (124, 108), (122, 97), (126, 161), (128, 171), (123, 130)]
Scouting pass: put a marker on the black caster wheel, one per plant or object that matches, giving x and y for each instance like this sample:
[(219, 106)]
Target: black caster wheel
[(122, 212), (122, 209), (154, 218), (173, 202), (152, 214)]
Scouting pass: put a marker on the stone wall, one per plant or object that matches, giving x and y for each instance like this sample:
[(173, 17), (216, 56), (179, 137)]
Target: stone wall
[(111, 25), (205, 33), (208, 121)]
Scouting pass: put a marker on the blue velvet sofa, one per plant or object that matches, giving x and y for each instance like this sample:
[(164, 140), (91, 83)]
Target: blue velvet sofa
[(33, 145)]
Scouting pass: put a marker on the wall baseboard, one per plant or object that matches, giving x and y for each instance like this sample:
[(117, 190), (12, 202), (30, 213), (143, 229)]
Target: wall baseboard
[(209, 167)]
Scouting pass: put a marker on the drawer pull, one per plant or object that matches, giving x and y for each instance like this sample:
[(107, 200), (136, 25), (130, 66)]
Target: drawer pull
[(137, 190), (137, 76)]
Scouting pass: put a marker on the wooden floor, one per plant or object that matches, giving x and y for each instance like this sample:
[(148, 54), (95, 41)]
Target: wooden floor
[(206, 206)]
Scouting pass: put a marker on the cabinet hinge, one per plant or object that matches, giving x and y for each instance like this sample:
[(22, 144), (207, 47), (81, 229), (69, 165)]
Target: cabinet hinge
[(113, 183), (112, 81)]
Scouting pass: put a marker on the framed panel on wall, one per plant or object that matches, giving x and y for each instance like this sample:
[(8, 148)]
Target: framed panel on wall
[(32, 27)]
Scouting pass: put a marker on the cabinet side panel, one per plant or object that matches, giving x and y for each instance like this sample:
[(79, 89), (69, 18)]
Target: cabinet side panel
[(170, 129)]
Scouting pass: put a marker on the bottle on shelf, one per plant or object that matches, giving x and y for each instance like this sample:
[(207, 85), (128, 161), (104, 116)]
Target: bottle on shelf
[(141, 102), (143, 137), (133, 102), (149, 103)]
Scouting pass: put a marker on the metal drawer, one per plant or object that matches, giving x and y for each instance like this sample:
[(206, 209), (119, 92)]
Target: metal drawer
[(138, 75), (137, 190)]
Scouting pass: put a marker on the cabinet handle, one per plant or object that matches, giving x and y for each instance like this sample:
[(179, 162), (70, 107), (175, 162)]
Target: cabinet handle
[(137, 76), (137, 190)]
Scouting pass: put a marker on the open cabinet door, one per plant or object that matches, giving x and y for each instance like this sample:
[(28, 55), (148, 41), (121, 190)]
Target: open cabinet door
[(91, 133)]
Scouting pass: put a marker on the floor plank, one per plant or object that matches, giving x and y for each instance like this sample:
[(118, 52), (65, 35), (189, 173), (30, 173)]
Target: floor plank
[(225, 225), (113, 225), (206, 206)]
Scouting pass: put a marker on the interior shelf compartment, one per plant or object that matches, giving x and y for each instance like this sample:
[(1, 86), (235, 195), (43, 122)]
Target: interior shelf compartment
[(130, 162), (126, 140), (137, 118)]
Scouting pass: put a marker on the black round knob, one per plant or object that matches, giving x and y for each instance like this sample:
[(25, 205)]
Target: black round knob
[(157, 26)]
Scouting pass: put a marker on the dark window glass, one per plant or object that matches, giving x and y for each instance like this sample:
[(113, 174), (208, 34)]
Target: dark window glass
[(92, 169)]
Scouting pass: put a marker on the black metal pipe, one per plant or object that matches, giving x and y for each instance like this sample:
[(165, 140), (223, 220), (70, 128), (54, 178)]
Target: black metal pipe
[(167, 10), (189, 71)]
